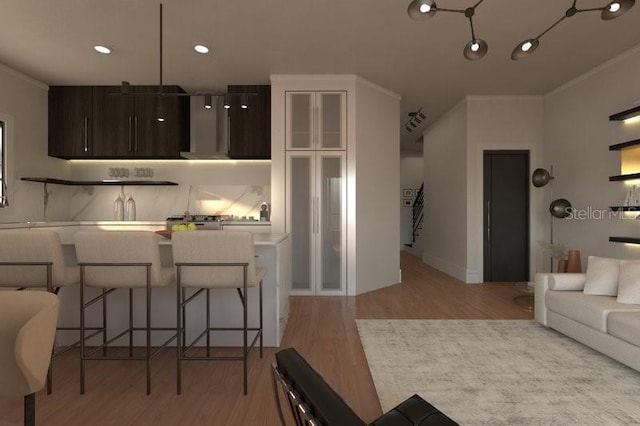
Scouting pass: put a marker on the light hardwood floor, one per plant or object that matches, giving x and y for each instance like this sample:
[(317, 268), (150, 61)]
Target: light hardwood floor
[(322, 329)]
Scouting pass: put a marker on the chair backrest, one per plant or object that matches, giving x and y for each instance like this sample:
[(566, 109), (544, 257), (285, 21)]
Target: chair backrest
[(27, 331), (214, 247), (118, 247), (324, 404), (35, 245)]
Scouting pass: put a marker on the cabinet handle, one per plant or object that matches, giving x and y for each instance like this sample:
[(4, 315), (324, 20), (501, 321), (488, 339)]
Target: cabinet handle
[(228, 134), (313, 215), (130, 133), (86, 134), (316, 126), (316, 215), (489, 221), (135, 124)]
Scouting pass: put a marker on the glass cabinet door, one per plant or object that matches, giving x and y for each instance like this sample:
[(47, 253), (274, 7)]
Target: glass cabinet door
[(299, 118), (300, 206), (316, 120), (331, 222), (331, 117)]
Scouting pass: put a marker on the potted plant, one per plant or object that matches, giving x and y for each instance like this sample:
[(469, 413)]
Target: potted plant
[(558, 252)]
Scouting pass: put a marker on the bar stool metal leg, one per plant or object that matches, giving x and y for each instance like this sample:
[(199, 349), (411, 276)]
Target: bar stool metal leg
[(260, 302), (179, 325), (148, 330), (82, 349), (244, 331)]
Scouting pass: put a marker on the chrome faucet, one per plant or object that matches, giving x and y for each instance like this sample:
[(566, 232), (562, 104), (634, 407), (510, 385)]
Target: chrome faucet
[(4, 199)]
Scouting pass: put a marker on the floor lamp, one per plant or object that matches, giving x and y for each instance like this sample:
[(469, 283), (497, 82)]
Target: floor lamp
[(559, 208)]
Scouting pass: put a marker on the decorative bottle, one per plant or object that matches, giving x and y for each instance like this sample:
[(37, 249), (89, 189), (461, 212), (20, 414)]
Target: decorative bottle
[(118, 208), (130, 209)]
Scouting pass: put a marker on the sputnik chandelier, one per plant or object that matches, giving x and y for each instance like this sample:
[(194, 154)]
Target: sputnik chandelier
[(421, 10), (611, 11)]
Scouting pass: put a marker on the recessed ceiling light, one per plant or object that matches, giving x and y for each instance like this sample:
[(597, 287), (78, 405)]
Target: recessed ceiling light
[(201, 48), (102, 49)]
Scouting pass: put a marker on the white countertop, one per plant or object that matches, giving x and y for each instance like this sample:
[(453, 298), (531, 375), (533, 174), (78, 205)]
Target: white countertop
[(160, 223)]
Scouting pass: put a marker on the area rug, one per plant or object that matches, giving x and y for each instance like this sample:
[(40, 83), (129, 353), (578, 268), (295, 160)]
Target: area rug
[(498, 373)]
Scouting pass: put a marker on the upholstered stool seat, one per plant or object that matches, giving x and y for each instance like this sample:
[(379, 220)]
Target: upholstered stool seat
[(208, 260), (27, 331), (33, 259), (111, 260)]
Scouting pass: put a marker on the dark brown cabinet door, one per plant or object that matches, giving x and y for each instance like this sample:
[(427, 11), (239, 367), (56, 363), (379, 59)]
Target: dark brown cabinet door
[(113, 126), (153, 138), (70, 121), (250, 128)]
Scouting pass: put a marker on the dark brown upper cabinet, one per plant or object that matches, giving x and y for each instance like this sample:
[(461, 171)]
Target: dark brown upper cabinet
[(121, 126), (70, 122), (250, 128)]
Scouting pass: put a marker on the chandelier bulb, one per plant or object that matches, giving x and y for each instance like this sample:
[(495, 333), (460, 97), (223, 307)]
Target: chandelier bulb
[(614, 7)]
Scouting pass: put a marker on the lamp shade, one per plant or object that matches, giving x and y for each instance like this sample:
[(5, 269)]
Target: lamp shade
[(540, 178), (525, 48), (560, 208), (616, 8), (475, 49), (421, 10)]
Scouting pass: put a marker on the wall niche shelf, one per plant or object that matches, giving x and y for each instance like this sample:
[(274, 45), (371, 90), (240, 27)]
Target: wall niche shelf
[(111, 182), (622, 178), (625, 145), (623, 115), (628, 240)]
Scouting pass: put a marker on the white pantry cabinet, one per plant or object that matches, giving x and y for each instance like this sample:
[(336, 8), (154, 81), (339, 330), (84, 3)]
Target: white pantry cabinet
[(317, 221)]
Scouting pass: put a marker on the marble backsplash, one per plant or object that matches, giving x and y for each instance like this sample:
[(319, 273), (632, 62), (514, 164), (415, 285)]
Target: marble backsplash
[(155, 202)]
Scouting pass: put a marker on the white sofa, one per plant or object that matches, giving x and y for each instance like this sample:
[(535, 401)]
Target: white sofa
[(599, 322)]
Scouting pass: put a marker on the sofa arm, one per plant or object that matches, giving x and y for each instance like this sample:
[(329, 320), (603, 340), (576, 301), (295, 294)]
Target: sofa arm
[(567, 282), (414, 411), (556, 282)]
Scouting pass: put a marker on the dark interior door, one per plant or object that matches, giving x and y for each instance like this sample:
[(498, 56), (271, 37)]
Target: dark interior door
[(506, 216)]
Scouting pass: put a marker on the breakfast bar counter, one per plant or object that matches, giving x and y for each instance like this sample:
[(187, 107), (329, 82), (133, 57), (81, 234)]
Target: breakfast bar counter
[(272, 252)]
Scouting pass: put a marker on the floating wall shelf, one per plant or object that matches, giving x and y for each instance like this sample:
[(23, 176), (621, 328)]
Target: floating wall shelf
[(99, 182), (620, 178), (627, 240), (630, 113), (625, 145)]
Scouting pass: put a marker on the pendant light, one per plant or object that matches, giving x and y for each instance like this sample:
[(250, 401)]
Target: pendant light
[(207, 102), (611, 11), (421, 10)]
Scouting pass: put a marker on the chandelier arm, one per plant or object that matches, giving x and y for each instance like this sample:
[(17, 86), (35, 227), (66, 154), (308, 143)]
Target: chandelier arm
[(591, 9), (477, 4), (439, 9), (473, 33), (573, 6), (551, 27)]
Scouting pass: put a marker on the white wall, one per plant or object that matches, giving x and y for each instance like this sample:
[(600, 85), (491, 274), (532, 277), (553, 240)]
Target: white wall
[(377, 191), (23, 105), (411, 176), (577, 136), (445, 193), (453, 175), (501, 123)]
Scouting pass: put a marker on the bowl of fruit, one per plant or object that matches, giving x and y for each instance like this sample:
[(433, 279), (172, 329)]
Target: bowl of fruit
[(177, 228)]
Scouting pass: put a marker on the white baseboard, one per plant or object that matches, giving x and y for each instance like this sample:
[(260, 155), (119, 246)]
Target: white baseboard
[(468, 276)]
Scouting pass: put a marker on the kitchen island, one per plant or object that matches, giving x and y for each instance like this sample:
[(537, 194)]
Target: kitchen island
[(272, 252)]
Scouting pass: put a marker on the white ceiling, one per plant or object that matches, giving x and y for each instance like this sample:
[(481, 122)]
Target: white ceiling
[(249, 40)]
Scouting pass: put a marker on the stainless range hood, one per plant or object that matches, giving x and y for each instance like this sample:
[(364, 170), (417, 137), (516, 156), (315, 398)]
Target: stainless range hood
[(209, 130)]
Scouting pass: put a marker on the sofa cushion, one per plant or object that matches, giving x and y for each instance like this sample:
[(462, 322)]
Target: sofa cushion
[(625, 326), (602, 276), (629, 282), (589, 310)]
